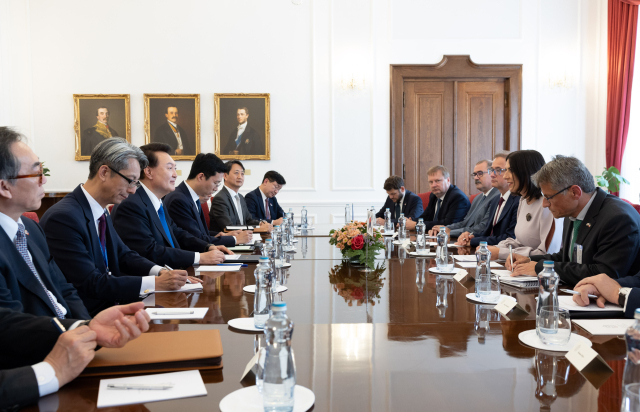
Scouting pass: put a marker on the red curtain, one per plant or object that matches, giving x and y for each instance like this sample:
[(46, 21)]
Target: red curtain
[(621, 34)]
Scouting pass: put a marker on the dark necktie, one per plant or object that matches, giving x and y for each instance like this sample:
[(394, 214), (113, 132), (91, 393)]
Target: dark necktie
[(576, 228), (163, 220), (201, 215), (397, 210), (21, 245), (266, 209), (495, 219), (435, 217), (102, 233)]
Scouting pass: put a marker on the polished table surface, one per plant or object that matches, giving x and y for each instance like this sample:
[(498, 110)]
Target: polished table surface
[(398, 339)]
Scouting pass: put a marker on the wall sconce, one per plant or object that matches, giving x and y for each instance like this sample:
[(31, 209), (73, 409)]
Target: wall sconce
[(352, 84)]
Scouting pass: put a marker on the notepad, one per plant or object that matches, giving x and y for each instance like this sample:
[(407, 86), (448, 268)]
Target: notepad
[(567, 302), (176, 313), (188, 287), (465, 258), (517, 281), (231, 257), (236, 227), (605, 326), (473, 264), (241, 248), (186, 384), (220, 268)]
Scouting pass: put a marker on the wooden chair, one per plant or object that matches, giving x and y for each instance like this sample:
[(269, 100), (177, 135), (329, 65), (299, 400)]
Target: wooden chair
[(425, 199), (636, 207), (205, 210)]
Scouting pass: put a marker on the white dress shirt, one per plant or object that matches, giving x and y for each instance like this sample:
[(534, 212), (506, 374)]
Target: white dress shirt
[(236, 202), (176, 134), (241, 129), (45, 375), (148, 282), (499, 210), (156, 205)]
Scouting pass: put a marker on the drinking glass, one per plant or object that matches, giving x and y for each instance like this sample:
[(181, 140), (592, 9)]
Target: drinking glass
[(553, 325), (631, 398), (447, 264)]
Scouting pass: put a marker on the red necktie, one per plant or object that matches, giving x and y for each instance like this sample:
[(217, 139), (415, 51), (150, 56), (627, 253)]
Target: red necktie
[(266, 208)]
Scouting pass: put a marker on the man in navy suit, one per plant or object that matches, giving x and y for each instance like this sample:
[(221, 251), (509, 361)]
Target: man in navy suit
[(447, 203), (265, 195), (399, 200), (502, 215), (145, 226), (185, 209), (30, 280), (84, 242)]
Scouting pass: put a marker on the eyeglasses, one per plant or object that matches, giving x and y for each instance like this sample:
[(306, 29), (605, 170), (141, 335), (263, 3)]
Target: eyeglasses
[(40, 174), (552, 196), (496, 171), (132, 183), (478, 174)]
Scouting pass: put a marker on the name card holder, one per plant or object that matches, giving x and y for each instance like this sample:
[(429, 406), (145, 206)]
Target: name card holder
[(250, 372), (589, 364), (461, 275), (508, 307)]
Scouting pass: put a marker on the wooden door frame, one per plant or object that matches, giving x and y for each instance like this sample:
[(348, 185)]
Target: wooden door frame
[(456, 68)]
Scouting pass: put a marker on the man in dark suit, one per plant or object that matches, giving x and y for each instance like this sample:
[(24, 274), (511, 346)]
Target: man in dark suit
[(144, 226), (501, 215), (244, 140), (399, 200), (39, 358), (84, 242), (262, 202), (447, 203), (601, 232), (228, 207), (171, 133), (95, 134), (185, 209), (30, 280)]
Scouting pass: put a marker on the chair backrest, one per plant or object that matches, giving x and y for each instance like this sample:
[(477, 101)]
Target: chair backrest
[(109, 208), (205, 210), (473, 197), (32, 215), (636, 207), (425, 199)]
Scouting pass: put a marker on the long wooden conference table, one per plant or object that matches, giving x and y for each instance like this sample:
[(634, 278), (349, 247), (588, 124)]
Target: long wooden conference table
[(398, 339)]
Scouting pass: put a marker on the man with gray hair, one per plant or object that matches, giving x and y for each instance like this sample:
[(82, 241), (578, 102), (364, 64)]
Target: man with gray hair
[(601, 232), (83, 241), (477, 219)]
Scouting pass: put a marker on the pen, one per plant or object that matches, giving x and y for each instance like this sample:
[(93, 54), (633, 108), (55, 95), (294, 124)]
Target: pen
[(158, 387), (233, 264), (169, 268), (575, 292), (175, 312), (511, 256)]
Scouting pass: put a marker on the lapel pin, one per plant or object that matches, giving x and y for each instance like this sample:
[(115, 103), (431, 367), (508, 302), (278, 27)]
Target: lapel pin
[(588, 224), (26, 232), (528, 217)]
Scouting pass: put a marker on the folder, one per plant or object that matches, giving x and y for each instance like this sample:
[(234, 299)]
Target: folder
[(160, 352)]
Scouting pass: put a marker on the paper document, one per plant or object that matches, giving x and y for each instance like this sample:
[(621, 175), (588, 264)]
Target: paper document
[(241, 248), (184, 385), (506, 275), (188, 287), (236, 227), (150, 300), (465, 258), (605, 326), (231, 257), (220, 268), (473, 264), (256, 238), (568, 303), (176, 313)]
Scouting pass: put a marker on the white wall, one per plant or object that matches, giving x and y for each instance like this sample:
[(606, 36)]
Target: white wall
[(332, 146)]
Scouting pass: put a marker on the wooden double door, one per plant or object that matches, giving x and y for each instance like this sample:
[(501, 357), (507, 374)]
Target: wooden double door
[(451, 121)]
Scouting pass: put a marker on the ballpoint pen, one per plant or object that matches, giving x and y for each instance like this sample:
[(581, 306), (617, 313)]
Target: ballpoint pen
[(174, 312), (138, 386), (511, 257), (575, 292)]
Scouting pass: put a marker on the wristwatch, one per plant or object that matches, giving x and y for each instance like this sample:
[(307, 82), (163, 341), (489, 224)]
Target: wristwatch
[(623, 294)]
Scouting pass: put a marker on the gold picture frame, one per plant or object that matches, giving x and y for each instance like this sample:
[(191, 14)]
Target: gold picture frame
[(158, 127), (85, 108), (253, 146)]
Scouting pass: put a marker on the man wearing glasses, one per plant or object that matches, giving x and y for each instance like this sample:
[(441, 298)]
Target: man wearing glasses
[(146, 227), (502, 212), (601, 231), (477, 219), (84, 243), (185, 207)]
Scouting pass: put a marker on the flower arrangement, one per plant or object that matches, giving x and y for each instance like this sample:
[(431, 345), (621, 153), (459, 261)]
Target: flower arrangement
[(356, 286), (354, 242)]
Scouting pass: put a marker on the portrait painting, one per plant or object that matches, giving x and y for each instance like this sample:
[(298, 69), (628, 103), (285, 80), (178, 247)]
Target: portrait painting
[(99, 117), (173, 119), (242, 126)]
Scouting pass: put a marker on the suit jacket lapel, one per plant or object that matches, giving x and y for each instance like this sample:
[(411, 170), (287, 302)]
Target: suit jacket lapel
[(505, 209), (154, 214), (590, 218), (91, 229), (261, 205), (197, 214), (233, 206)]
